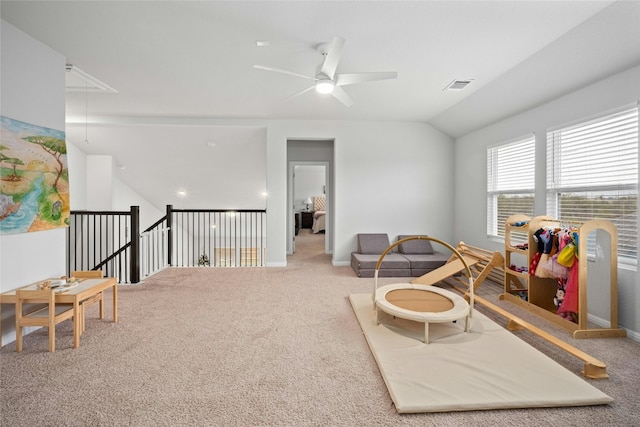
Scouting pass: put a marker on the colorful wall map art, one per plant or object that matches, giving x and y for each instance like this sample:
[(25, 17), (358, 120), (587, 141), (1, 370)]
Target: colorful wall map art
[(34, 190)]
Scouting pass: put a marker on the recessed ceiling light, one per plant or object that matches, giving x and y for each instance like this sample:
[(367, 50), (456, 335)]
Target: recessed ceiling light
[(182, 193), (262, 43)]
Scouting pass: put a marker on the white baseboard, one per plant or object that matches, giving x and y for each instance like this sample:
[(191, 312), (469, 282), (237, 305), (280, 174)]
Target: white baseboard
[(603, 323), (276, 264), (632, 335)]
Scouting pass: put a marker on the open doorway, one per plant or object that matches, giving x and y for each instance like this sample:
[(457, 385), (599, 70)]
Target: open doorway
[(310, 194), (309, 202)]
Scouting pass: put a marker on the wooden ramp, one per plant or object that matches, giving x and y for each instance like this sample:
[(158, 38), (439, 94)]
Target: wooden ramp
[(439, 274), (481, 262)]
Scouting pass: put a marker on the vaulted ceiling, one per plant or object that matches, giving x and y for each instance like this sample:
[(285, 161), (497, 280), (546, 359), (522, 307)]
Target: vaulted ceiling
[(179, 61)]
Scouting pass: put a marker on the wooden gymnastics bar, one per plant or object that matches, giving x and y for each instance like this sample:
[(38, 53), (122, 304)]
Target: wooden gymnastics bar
[(487, 264)]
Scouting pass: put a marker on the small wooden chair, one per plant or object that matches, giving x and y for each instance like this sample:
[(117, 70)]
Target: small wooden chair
[(49, 316), (90, 274)]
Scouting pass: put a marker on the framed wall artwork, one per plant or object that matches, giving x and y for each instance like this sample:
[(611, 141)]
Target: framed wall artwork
[(34, 186)]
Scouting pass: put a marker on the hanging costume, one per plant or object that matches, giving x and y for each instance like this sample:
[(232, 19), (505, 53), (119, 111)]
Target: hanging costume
[(557, 257)]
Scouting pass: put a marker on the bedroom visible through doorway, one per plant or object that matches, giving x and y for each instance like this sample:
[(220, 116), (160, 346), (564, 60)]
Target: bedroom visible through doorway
[(309, 203), (309, 186)]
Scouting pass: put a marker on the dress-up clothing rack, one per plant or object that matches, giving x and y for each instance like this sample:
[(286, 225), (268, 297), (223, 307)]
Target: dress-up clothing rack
[(536, 294)]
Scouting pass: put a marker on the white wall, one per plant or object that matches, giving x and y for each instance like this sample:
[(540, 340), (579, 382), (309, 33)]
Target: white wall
[(32, 87), (99, 180), (32, 92), (470, 169), (94, 174), (390, 177), (77, 163), (124, 197)]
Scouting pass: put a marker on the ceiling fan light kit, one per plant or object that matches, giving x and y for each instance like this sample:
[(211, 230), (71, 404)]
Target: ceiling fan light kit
[(325, 86), (327, 81)]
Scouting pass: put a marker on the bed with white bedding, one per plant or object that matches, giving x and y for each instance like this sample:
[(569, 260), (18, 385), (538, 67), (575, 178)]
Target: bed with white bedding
[(319, 214)]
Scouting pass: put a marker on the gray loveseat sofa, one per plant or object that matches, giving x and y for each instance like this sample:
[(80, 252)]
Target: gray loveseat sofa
[(412, 259)]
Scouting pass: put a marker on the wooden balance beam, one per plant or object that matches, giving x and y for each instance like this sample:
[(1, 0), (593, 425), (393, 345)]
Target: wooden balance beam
[(483, 262), (593, 368)]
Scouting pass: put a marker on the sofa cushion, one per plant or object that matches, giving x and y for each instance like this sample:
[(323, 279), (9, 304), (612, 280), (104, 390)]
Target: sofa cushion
[(426, 261), (372, 243), (416, 246), (392, 272), (369, 261)]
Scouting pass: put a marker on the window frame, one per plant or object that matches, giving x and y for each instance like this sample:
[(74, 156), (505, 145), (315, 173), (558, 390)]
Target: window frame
[(496, 188), (554, 190)]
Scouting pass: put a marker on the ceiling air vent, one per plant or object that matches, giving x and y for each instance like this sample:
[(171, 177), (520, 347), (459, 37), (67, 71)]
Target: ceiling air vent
[(458, 84)]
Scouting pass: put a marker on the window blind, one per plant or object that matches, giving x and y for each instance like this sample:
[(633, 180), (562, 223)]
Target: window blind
[(510, 182), (592, 172)]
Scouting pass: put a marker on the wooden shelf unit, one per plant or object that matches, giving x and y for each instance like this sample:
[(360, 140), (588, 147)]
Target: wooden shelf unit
[(539, 292), (516, 284)]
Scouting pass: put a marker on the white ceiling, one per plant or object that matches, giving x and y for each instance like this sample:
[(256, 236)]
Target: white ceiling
[(181, 61)]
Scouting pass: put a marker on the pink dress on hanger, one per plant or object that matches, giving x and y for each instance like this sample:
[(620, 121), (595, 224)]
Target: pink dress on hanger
[(569, 307)]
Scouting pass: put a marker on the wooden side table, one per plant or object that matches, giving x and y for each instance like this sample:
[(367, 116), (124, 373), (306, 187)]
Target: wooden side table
[(306, 220)]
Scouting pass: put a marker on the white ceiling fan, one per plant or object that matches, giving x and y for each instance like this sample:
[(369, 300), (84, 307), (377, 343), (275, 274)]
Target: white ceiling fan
[(326, 80)]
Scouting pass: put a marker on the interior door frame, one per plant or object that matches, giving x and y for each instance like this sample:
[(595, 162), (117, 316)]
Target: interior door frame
[(291, 243)]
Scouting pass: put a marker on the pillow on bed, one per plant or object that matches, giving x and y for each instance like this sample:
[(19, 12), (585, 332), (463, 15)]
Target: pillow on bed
[(415, 246), (372, 244)]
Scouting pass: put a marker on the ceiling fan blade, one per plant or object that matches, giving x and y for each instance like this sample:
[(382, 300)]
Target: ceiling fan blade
[(333, 57), (342, 96), (278, 70), (298, 93), (350, 79)]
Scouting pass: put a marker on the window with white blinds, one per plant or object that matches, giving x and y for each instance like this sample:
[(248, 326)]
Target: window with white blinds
[(592, 172), (510, 182)]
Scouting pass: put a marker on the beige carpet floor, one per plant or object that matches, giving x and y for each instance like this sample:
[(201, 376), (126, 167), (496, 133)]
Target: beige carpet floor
[(256, 347)]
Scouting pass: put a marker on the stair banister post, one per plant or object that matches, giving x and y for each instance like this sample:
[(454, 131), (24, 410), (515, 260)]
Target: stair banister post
[(169, 234), (135, 244)]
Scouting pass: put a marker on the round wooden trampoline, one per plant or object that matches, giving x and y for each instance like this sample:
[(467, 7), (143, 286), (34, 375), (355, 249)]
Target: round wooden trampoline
[(419, 300), (423, 303)]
